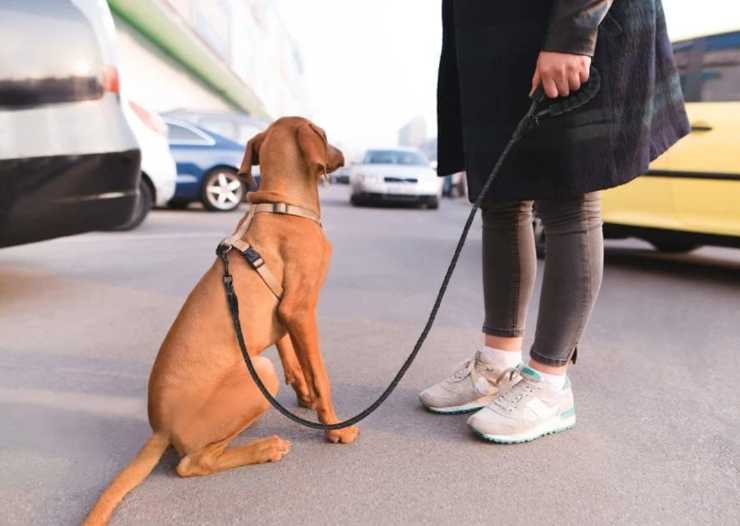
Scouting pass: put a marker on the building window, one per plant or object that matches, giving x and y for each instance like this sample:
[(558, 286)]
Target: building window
[(720, 73)]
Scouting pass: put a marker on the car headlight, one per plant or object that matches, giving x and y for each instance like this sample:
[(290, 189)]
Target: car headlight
[(370, 178)]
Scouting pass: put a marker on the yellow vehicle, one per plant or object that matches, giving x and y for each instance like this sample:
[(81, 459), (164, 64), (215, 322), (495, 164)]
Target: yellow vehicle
[(691, 195)]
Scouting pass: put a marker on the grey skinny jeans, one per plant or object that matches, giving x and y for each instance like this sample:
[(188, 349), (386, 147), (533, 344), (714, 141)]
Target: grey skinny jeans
[(574, 266)]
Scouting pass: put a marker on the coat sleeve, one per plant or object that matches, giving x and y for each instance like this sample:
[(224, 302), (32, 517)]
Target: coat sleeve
[(574, 26)]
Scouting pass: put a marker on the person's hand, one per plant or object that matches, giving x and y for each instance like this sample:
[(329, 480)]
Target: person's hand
[(560, 73)]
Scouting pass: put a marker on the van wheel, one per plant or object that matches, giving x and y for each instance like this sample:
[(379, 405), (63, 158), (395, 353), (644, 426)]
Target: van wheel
[(222, 190), (674, 247), (144, 204)]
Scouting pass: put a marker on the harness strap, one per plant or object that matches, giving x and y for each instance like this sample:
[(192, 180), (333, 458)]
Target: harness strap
[(254, 259), (250, 254)]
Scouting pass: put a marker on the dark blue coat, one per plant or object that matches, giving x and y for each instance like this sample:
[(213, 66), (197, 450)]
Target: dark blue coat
[(489, 54)]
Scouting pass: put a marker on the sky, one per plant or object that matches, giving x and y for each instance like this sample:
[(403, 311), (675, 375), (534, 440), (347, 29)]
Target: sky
[(371, 65)]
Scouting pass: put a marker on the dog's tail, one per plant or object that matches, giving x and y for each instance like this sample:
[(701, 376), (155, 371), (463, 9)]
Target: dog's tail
[(127, 479)]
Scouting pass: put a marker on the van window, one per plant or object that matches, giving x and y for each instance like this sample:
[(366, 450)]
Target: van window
[(182, 135), (720, 72), (220, 126)]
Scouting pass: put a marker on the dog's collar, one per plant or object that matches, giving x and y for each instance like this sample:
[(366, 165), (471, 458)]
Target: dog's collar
[(286, 209)]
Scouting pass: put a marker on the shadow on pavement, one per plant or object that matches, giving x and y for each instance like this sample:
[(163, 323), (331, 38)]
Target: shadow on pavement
[(694, 266)]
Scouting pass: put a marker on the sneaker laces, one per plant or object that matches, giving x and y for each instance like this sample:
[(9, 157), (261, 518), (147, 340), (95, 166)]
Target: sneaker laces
[(472, 369), (464, 370), (521, 390)]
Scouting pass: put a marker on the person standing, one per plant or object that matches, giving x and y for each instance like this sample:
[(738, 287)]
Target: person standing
[(494, 56)]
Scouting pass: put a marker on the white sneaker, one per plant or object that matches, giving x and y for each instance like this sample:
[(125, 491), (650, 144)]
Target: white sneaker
[(473, 385), (527, 411)]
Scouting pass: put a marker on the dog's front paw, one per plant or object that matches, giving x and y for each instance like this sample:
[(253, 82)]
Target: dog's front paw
[(305, 402), (343, 436)]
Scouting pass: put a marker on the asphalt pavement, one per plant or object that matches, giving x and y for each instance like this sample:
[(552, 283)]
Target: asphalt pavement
[(656, 385)]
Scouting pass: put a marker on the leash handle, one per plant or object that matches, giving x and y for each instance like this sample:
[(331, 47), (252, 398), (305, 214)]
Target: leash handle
[(562, 105), (530, 120)]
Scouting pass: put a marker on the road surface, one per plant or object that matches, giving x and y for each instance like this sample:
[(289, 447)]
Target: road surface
[(657, 440)]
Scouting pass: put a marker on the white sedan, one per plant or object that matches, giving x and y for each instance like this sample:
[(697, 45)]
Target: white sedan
[(395, 175)]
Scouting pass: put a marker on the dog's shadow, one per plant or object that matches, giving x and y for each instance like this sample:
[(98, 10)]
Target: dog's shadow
[(401, 415)]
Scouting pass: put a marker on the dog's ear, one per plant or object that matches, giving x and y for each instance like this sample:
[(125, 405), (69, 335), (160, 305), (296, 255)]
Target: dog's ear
[(320, 154), (251, 157), (313, 145), (336, 159)]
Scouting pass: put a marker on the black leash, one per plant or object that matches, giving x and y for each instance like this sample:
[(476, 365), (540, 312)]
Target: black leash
[(530, 120)]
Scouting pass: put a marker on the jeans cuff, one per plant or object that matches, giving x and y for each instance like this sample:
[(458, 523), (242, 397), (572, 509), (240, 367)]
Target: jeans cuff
[(546, 360), (503, 333)]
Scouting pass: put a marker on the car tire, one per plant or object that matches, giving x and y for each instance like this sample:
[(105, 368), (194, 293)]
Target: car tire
[(674, 246), (178, 205), (144, 203), (220, 192), (356, 200), (433, 203)]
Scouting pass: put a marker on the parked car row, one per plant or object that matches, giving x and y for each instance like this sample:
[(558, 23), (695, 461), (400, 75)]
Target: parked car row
[(75, 153)]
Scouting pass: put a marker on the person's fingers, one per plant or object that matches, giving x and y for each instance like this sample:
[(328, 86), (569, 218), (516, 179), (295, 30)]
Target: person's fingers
[(574, 81), (563, 85), (584, 74), (551, 89), (536, 79)]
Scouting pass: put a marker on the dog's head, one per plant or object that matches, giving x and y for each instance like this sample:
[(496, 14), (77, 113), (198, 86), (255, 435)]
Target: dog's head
[(295, 143)]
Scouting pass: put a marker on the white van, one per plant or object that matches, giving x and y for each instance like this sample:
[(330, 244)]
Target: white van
[(69, 162)]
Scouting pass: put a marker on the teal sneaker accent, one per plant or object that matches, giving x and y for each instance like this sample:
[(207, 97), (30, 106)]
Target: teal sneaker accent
[(570, 412), (510, 441), (528, 371)]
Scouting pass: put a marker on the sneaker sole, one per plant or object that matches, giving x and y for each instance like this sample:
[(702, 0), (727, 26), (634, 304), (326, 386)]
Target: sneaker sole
[(544, 430), (457, 410)]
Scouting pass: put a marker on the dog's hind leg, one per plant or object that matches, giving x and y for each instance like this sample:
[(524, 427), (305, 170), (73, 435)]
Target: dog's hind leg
[(293, 372), (235, 406), (216, 457)]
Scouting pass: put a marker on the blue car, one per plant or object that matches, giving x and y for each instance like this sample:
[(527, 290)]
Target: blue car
[(207, 166)]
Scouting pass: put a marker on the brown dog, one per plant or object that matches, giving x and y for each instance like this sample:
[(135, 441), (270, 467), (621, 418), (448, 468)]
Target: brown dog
[(200, 393)]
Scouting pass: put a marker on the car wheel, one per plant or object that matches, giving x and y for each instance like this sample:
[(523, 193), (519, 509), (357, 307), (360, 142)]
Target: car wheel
[(539, 236), (355, 200), (674, 246), (433, 203), (178, 205), (222, 191), (144, 203)]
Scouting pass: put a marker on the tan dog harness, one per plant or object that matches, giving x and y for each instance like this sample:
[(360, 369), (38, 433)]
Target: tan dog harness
[(250, 254)]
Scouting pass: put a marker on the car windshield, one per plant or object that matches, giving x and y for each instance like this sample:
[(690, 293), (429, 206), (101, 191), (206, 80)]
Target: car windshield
[(395, 157)]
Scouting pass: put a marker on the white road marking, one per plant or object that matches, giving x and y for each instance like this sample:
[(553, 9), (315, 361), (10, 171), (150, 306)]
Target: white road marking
[(134, 237), (108, 406)]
